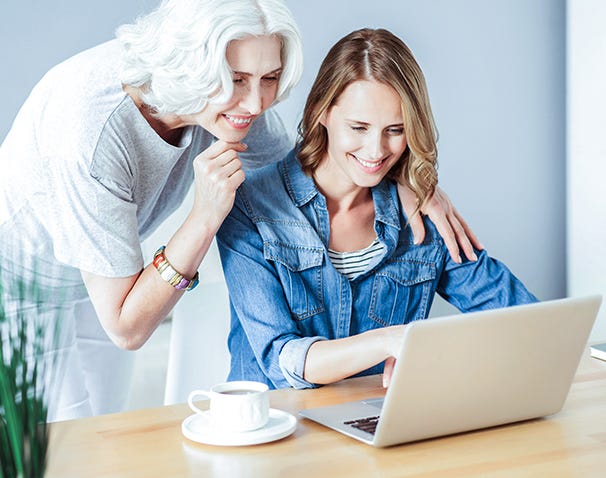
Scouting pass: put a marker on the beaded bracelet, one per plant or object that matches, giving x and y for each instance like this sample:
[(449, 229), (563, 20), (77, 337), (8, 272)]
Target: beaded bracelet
[(170, 275)]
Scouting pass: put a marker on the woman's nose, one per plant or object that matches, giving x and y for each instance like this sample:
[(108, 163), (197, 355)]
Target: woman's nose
[(375, 149), (253, 100)]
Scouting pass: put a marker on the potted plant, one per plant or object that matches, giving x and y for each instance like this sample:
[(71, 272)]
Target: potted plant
[(24, 379)]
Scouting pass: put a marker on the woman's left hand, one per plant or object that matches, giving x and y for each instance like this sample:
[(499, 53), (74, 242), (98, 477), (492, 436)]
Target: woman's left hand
[(452, 227)]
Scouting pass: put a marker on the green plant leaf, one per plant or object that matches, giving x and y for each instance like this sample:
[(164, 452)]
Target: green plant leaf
[(27, 330)]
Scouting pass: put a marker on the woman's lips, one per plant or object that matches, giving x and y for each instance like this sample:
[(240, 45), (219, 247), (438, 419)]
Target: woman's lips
[(238, 122)]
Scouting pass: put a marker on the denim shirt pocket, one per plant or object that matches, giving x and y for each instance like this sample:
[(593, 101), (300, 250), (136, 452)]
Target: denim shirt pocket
[(300, 271), (401, 291)]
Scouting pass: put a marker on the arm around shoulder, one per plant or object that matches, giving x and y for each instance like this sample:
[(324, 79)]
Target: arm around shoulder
[(483, 284)]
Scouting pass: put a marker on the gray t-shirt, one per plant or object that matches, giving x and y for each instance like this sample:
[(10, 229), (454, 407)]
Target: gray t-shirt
[(85, 178)]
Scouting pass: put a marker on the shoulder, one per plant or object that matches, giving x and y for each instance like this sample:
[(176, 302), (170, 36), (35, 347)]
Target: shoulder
[(264, 189), (267, 140), (85, 79), (389, 196), (264, 181), (74, 100), (268, 125)]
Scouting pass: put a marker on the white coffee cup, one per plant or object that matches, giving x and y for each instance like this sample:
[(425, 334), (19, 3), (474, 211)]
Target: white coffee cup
[(235, 406)]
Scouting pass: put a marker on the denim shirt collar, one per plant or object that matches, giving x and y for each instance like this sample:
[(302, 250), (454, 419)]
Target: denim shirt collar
[(302, 189), (300, 186), (386, 200)]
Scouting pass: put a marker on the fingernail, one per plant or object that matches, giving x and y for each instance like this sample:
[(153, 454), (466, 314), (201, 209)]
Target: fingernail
[(474, 257)]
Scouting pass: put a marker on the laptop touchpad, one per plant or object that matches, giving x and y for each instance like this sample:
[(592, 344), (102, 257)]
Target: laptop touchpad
[(374, 402)]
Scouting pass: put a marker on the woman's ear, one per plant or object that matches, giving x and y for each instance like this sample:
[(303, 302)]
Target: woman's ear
[(323, 119)]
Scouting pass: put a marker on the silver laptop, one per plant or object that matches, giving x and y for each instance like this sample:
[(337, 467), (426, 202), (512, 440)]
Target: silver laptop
[(471, 371)]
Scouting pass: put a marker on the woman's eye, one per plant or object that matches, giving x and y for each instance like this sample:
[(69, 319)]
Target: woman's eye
[(358, 129), (238, 80), (270, 79), (395, 131)]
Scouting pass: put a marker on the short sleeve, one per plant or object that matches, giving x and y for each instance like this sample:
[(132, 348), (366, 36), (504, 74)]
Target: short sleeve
[(92, 216)]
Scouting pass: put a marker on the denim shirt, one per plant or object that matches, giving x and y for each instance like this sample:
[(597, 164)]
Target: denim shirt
[(285, 294)]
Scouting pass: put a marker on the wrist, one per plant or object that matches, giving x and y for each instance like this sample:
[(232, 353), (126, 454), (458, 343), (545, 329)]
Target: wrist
[(392, 340), (380, 343), (202, 225)]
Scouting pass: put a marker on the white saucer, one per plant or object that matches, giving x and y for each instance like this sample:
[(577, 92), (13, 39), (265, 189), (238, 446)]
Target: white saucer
[(198, 428)]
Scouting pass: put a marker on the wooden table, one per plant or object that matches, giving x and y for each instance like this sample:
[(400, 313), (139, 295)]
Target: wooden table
[(148, 443)]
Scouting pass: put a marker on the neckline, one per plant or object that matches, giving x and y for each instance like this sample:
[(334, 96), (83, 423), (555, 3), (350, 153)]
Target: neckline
[(370, 246), (144, 112)]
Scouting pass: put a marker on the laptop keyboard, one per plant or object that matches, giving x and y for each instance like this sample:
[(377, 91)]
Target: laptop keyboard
[(368, 424)]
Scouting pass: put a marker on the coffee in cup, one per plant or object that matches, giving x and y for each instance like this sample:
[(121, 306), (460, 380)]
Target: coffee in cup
[(238, 406)]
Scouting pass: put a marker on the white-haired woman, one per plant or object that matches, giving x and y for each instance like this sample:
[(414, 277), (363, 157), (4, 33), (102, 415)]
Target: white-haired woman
[(107, 146)]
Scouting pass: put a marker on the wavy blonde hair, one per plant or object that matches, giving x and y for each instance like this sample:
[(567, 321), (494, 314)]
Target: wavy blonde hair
[(379, 55)]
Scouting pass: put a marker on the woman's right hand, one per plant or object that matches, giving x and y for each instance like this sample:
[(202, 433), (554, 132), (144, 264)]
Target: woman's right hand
[(217, 175), (394, 336), (390, 364)]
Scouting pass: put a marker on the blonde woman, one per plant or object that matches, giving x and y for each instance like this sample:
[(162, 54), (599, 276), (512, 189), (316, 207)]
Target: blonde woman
[(323, 272)]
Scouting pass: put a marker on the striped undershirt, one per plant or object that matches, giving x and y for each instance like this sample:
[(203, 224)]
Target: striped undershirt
[(352, 264)]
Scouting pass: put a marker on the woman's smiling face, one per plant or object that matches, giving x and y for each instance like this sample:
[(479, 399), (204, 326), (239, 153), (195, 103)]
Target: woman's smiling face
[(365, 131), (256, 65)]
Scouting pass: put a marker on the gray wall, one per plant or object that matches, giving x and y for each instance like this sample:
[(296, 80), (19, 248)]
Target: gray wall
[(496, 78), (496, 75)]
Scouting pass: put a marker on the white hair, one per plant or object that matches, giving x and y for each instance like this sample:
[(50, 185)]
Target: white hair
[(176, 54)]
